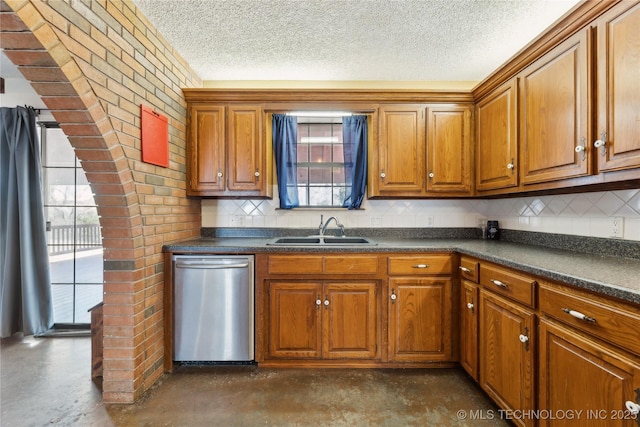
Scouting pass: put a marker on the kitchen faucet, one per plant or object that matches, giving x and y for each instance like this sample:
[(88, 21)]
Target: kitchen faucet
[(322, 228)]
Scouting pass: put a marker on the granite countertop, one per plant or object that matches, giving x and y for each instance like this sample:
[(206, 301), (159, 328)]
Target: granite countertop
[(609, 275)]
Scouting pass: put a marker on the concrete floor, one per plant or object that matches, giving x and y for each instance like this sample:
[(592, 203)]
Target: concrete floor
[(46, 381)]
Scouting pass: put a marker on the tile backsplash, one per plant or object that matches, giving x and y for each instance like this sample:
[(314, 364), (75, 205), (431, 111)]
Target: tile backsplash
[(584, 214)]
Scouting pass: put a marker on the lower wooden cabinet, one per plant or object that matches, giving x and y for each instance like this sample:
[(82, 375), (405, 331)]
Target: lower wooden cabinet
[(507, 349), (355, 310), (469, 310), (420, 319), (323, 320), (567, 357), (586, 378)]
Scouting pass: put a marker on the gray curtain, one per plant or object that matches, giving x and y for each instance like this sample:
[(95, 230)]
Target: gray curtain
[(25, 286)]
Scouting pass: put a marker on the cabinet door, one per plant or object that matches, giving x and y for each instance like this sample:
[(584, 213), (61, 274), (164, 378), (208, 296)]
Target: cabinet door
[(496, 145), (449, 149), (554, 113), (401, 151), (350, 321), (295, 320), (246, 159), (469, 328), (506, 365), (206, 149), (579, 374), (420, 319), (619, 88)]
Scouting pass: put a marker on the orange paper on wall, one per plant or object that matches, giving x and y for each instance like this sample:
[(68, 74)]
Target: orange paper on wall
[(155, 137)]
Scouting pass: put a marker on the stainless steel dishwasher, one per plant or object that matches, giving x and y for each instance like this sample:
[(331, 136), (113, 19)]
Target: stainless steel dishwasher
[(213, 308)]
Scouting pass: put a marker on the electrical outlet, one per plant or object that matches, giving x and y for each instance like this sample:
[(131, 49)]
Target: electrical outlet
[(237, 221), (429, 221), (617, 227)]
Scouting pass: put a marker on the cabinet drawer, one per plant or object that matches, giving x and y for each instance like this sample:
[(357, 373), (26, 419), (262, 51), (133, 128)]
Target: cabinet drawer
[(469, 269), (323, 264), (418, 265), (611, 321), (509, 283), (354, 264), (295, 264)]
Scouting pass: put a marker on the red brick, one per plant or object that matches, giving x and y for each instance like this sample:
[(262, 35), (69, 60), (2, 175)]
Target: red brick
[(18, 40)]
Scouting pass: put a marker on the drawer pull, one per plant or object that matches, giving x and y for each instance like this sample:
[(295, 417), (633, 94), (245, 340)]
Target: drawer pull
[(465, 270), (498, 283), (579, 315), (421, 266)]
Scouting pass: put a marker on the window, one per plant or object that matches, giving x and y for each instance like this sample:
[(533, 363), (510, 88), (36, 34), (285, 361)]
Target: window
[(73, 230), (320, 170)]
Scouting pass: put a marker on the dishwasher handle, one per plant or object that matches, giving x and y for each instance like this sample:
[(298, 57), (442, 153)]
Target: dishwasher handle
[(208, 265)]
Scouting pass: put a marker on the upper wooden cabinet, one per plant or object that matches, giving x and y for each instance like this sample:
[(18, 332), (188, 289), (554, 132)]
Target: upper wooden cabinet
[(449, 149), (496, 139), (618, 88), (206, 150), (554, 112), (418, 154), (397, 165), (227, 154)]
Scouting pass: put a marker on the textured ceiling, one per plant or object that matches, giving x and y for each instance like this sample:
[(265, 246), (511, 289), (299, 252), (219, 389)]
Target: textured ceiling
[(350, 40)]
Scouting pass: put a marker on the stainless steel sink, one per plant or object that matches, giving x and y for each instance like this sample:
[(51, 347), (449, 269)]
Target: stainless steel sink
[(321, 241)]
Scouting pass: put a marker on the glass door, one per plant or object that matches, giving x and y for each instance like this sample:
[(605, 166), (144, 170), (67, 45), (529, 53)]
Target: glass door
[(73, 230)]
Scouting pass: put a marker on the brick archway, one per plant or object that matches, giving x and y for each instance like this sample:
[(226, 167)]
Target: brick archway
[(141, 207)]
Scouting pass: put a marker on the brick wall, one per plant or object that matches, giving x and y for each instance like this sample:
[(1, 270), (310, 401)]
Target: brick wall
[(94, 62)]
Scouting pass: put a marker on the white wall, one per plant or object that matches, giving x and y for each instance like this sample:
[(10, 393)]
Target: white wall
[(586, 214)]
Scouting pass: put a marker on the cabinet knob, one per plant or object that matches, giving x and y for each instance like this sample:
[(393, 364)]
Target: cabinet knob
[(465, 270), (431, 175), (393, 296), (582, 148), (219, 174), (318, 302), (257, 174), (632, 407), (510, 166), (601, 143), (383, 175), (326, 302), (470, 306), (524, 338)]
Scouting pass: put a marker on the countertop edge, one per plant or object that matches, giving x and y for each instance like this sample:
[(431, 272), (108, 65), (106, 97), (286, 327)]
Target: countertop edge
[(487, 251)]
